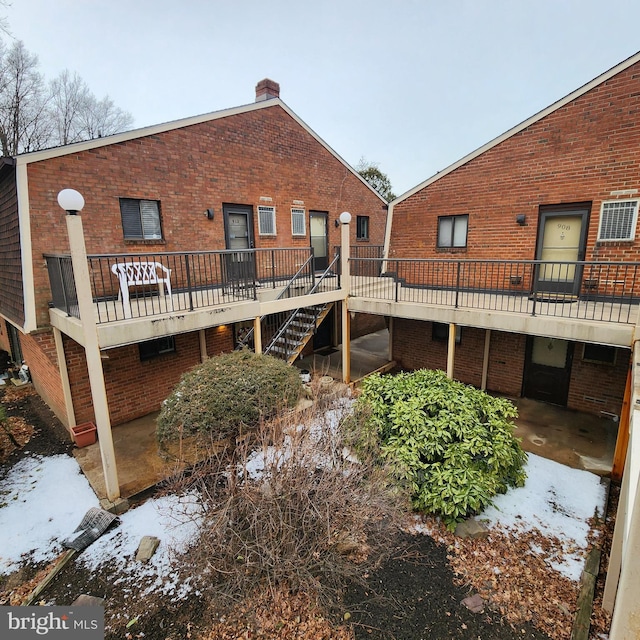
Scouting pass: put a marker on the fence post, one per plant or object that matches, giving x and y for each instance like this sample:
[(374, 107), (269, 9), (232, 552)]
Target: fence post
[(273, 269), (188, 274), (457, 282)]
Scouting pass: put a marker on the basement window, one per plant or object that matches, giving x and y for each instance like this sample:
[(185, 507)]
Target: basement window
[(599, 353), (618, 220), (266, 221), (440, 332), (158, 347)]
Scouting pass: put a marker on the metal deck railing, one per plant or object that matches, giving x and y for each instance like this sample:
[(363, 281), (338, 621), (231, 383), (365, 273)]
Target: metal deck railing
[(198, 280), (598, 291)]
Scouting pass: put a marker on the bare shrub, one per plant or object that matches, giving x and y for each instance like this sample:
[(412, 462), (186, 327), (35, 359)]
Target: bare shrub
[(291, 507)]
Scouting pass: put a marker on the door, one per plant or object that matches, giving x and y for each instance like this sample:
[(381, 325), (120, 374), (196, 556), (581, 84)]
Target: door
[(238, 231), (562, 237), (547, 369), (319, 244)]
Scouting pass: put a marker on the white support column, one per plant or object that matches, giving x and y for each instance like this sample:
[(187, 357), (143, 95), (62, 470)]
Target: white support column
[(390, 339), (64, 377), (451, 350), (625, 623), (345, 282), (257, 335), (202, 334), (92, 353), (485, 359)]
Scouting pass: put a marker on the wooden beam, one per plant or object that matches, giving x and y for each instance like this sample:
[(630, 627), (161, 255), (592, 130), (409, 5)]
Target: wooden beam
[(622, 441)]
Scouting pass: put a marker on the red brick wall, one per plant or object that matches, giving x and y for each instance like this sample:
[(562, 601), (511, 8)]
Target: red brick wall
[(134, 387), (579, 153), (39, 353), (593, 387), (237, 159), (4, 337), (413, 348), (597, 387), (365, 323)]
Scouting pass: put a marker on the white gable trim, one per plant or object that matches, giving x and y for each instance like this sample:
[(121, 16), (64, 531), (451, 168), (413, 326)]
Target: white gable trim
[(96, 143), (26, 251), (523, 125)]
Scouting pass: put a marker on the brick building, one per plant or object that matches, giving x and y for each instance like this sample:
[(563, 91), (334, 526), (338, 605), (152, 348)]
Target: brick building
[(561, 187), (225, 211), (516, 270)]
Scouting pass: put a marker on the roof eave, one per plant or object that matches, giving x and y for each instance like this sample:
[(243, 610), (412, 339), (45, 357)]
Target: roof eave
[(625, 64)]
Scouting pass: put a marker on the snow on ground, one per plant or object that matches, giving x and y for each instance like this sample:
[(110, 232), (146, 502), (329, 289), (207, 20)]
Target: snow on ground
[(42, 501), (556, 500)]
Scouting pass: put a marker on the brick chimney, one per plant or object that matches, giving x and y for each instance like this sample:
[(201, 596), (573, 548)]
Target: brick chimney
[(266, 90)]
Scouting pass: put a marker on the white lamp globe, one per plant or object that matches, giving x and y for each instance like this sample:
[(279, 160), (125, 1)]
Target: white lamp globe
[(345, 217), (71, 200)]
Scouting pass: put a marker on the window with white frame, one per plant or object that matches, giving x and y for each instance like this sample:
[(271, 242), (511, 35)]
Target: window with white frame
[(618, 220), (140, 219), (452, 231), (298, 222), (266, 221)]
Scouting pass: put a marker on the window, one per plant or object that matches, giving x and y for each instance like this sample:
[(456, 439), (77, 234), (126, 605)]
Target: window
[(600, 353), (267, 221), (362, 227), (452, 231), (618, 220), (153, 348), (140, 219), (298, 226), (440, 332)]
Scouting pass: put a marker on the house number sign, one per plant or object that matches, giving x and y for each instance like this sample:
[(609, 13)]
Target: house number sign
[(563, 227)]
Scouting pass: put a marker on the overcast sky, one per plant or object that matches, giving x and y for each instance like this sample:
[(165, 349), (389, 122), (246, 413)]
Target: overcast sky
[(412, 85)]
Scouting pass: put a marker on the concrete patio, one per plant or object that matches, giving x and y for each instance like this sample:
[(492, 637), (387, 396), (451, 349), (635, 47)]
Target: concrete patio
[(575, 439)]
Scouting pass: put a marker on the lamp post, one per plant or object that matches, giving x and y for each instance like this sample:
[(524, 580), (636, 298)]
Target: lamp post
[(345, 279), (73, 203)]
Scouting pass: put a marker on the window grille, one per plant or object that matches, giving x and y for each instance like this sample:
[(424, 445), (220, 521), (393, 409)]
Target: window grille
[(298, 226), (618, 220), (266, 221)]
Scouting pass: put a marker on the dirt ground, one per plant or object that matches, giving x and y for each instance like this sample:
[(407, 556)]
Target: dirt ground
[(413, 596)]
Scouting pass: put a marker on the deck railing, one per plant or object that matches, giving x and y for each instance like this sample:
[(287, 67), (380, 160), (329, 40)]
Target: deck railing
[(198, 279), (599, 291)]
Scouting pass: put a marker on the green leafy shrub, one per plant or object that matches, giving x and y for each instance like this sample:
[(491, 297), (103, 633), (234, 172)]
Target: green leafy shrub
[(452, 444), (226, 393)]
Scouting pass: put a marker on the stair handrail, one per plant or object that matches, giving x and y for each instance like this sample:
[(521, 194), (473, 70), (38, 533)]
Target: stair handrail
[(244, 341), (285, 325)]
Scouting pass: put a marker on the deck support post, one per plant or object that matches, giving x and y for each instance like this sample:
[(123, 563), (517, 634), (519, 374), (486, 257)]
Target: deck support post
[(451, 350), (92, 354), (485, 359), (345, 282)]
